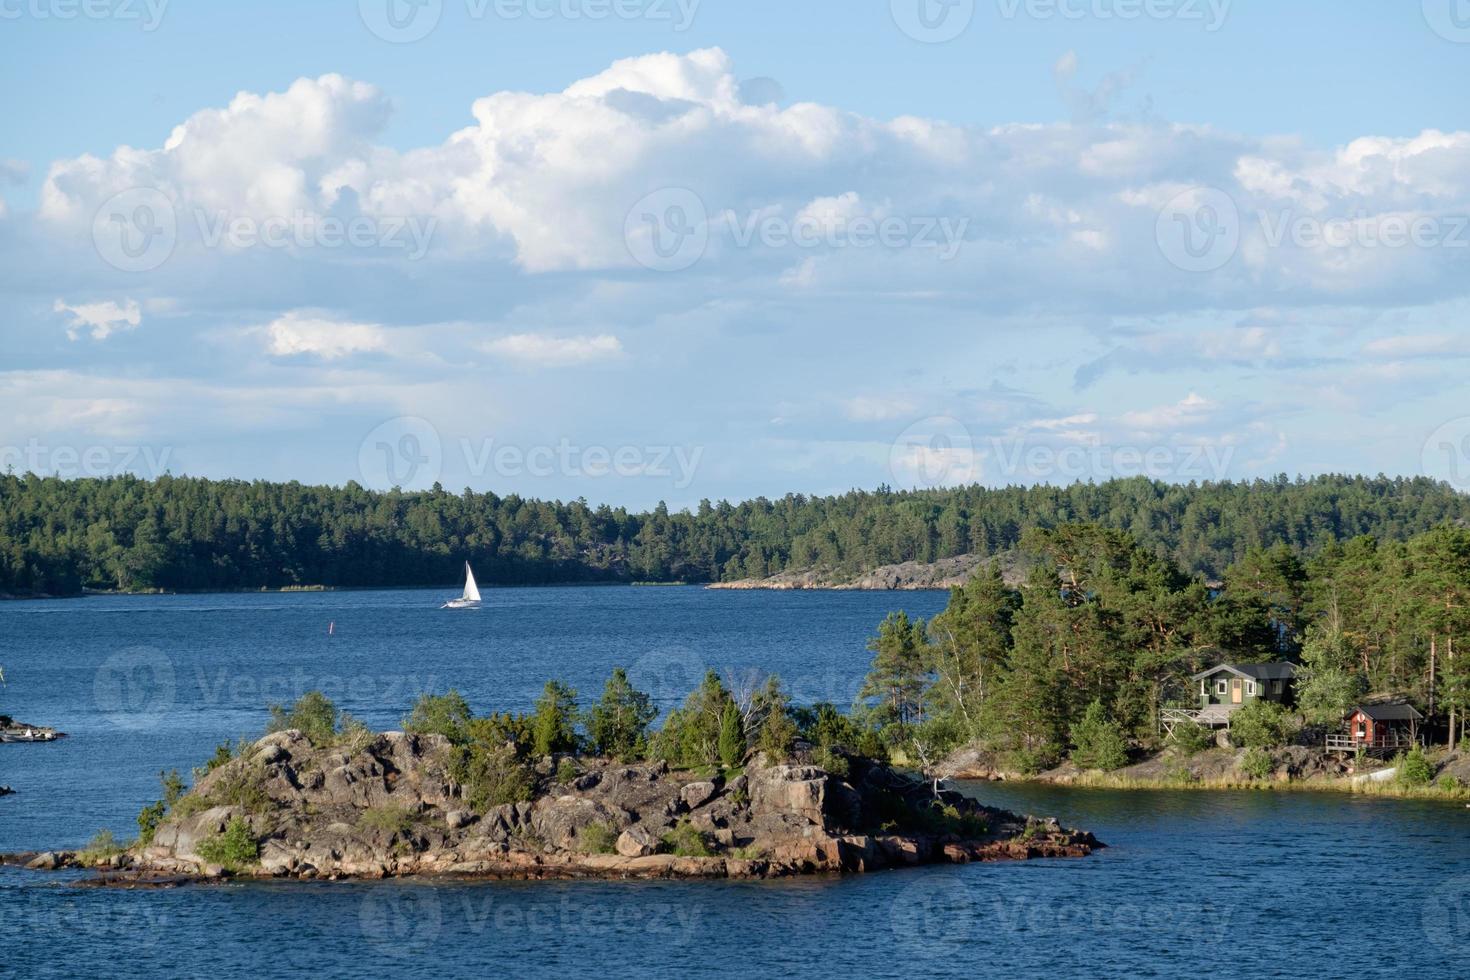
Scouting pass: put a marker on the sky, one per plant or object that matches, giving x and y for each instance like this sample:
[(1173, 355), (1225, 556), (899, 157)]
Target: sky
[(675, 250)]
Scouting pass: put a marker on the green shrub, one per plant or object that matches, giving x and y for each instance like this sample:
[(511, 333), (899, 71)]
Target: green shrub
[(388, 819), (553, 723), (440, 714), (617, 725), (597, 838), (690, 736), (101, 847), (829, 759), (1192, 738), (501, 729), (234, 850), (152, 815), (313, 715), (1450, 784), (826, 727), (686, 840), (224, 753), (491, 775), (1029, 762), (1260, 725), (241, 785), (732, 737), (566, 771), (1257, 763), (1413, 768), (1099, 741)]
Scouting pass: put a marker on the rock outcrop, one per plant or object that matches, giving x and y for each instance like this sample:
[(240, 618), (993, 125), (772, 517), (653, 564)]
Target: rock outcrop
[(389, 807), (906, 576)]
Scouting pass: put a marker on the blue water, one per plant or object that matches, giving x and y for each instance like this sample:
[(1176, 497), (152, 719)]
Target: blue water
[(1229, 884)]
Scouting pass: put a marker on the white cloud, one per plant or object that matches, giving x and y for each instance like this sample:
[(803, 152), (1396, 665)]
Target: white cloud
[(103, 318), (1063, 215), (303, 332), (1419, 345), (873, 408), (544, 350), (1192, 410)]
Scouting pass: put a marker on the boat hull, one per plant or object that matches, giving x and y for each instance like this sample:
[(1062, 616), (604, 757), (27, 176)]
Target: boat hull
[(461, 604)]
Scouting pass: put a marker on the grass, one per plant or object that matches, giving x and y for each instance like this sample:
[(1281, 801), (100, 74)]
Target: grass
[(685, 840), (597, 838), (1439, 790), (388, 819), (102, 847), (234, 850)]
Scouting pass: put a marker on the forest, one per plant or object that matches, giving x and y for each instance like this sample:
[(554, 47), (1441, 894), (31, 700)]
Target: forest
[(1080, 658), (59, 537)]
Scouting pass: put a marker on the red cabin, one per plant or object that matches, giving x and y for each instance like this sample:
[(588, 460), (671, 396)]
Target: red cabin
[(1382, 726)]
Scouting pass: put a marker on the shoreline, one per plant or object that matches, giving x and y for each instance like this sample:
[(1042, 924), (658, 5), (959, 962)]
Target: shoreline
[(1294, 769)]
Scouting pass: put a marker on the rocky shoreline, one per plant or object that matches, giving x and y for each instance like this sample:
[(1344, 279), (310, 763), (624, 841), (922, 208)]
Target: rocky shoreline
[(388, 808), (1292, 766), (907, 576)]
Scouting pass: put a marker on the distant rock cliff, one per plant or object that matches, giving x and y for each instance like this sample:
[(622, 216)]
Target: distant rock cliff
[(911, 575)]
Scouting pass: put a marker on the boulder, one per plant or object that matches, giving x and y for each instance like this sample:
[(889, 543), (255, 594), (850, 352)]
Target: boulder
[(696, 795), (796, 791), (48, 861), (456, 819), (637, 841)]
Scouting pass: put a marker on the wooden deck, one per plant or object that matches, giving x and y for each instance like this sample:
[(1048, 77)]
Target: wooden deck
[(1382, 745), (1212, 716)]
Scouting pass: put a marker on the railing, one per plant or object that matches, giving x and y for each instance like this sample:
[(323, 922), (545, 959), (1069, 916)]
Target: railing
[(1351, 743)]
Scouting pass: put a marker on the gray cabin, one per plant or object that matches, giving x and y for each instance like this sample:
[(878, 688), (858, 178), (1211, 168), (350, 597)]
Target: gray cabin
[(1227, 688)]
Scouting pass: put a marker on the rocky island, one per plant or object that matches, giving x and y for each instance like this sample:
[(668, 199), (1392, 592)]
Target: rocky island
[(344, 802)]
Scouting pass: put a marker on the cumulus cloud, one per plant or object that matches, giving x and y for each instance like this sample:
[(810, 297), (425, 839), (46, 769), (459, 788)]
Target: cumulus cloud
[(303, 332), (543, 350), (1066, 216), (102, 319)]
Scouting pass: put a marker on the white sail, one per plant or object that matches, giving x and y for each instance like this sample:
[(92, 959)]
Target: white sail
[(471, 590)]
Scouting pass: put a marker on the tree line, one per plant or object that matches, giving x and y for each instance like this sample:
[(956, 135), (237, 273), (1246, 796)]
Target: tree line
[(189, 534), (1082, 656)]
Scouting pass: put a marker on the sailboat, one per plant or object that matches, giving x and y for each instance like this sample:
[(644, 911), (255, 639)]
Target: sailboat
[(471, 597)]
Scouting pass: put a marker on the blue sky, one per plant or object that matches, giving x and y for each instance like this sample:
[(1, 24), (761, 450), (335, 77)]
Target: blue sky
[(656, 249)]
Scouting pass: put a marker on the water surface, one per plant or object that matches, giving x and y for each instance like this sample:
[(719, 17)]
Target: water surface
[(1233, 884)]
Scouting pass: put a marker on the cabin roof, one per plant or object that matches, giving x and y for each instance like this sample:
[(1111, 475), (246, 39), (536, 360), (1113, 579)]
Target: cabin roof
[(1389, 712), (1277, 671)]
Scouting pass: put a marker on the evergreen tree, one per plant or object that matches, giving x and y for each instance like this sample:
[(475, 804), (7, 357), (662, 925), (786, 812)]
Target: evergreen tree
[(553, 722)]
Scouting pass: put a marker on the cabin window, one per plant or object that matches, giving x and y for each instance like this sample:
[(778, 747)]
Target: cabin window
[(1250, 687), (1220, 687), (1362, 729), (1275, 687), (1204, 687)]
